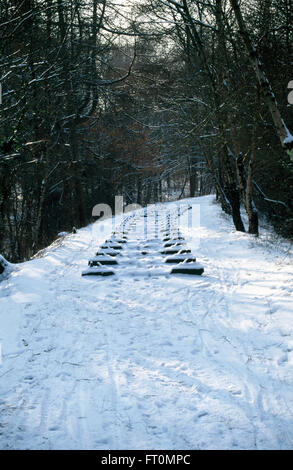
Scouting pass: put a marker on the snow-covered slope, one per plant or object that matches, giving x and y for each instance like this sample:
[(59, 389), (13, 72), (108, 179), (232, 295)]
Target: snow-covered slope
[(144, 359)]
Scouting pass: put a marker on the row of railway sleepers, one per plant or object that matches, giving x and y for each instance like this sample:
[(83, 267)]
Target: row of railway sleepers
[(109, 250), (173, 247), (177, 253)]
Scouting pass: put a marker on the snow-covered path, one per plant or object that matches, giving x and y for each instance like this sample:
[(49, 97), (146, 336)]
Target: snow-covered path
[(145, 359)]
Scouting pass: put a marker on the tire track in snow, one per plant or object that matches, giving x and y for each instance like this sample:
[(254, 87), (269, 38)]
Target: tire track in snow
[(209, 333), (113, 387), (146, 362), (261, 420)]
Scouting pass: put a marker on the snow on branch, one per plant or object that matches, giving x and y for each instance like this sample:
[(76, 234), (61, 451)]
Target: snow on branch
[(268, 199), (289, 138)]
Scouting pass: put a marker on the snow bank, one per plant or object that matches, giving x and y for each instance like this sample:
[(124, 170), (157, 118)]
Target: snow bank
[(145, 359), (5, 268)]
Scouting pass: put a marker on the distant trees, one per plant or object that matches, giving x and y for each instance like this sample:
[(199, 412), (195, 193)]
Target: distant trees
[(233, 62), (58, 78), (143, 99)]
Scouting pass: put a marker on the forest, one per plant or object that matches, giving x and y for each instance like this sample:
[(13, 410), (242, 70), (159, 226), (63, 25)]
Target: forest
[(149, 99)]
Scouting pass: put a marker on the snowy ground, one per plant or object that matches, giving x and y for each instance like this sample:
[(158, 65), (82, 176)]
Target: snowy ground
[(144, 359)]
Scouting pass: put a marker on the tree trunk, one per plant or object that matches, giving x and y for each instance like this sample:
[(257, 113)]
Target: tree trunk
[(224, 152), (192, 178), (225, 204), (138, 194), (232, 193), (265, 86), (36, 232), (250, 206), (148, 193)]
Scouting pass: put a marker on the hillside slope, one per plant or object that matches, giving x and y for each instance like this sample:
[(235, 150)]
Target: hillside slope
[(144, 359)]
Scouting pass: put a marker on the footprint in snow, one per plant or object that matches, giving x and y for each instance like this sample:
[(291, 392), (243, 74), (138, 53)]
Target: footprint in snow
[(202, 414), (283, 359), (28, 378)]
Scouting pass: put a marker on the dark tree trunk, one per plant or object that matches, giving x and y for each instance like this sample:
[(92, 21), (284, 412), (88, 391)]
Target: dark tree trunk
[(250, 206), (139, 191), (192, 180), (232, 193)]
